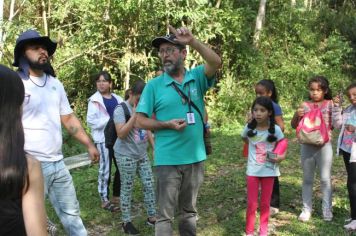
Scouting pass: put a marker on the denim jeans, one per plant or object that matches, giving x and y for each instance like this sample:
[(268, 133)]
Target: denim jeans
[(60, 190), (178, 185), (312, 157)]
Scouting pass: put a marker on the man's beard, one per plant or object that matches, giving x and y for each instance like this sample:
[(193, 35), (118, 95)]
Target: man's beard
[(174, 67), (37, 65)]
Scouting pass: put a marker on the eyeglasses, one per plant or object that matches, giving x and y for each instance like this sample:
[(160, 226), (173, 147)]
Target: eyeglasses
[(169, 51), (26, 99)]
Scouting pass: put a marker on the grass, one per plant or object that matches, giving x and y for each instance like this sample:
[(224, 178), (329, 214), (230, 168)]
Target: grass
[(222, 198)]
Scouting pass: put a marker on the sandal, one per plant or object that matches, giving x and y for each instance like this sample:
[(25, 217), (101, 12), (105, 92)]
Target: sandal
[(110, 207)]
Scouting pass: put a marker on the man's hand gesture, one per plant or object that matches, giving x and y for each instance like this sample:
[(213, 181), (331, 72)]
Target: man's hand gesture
[(183, 35)]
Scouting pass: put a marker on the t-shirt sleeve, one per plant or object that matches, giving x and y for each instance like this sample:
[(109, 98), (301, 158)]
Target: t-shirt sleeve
[(65, 108), (119, 115), (146, 103), (204, 82), (244, 132), (277, 109), (279, 134)]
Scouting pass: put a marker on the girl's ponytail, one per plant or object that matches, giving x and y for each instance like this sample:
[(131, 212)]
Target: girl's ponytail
[(271, 137), (252, 126)]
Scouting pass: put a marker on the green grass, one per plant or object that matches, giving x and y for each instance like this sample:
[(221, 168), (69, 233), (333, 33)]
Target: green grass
[(222, 198)]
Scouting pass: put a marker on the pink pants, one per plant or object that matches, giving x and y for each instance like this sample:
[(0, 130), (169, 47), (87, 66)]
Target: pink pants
[(253, 183)]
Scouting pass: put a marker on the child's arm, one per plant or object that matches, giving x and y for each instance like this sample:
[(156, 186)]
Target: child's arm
[(280, 122), (336, 113), (123, 129), (151, 139), (278, 116), (280, 158), (297, 116), (280, 150), (245, 139)]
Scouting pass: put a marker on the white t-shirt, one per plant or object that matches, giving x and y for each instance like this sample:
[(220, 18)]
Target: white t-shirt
[(47, 101), (257, 164)]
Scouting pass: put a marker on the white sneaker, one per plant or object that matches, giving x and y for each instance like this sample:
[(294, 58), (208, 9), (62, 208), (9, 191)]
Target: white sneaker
[(327, 215), (351, 225), (273, 211), (304, 216)]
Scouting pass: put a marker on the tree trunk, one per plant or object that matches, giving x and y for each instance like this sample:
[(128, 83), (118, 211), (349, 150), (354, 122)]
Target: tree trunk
[(127, 76), (12, 10), (308, 4), (44, 17), (259, 22), (1, 33), (218, 3)]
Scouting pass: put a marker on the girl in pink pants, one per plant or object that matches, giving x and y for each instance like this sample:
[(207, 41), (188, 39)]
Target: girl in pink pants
[(267, 147)]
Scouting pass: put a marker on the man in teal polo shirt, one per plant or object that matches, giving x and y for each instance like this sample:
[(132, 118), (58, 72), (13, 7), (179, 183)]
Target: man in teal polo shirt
[(179, 144)]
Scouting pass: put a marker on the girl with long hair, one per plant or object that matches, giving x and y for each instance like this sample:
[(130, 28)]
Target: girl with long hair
[(262, 135), (22, 210), (312, 156)]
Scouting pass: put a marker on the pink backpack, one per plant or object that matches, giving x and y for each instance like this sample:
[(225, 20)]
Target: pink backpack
[(312, 128)]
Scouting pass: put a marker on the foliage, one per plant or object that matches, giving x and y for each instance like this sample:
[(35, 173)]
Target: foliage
[(296, 43)]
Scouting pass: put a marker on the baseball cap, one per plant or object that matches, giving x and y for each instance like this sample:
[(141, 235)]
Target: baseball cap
[(169, 38)]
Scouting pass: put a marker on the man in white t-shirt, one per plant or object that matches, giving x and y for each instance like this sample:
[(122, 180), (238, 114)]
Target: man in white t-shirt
[(46, 107)]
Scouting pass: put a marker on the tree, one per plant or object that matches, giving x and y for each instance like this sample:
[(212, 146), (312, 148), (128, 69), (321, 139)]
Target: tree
[(259, 22)]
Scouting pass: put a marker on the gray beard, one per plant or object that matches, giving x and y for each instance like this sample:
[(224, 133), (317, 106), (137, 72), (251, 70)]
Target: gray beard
[(173, 68)]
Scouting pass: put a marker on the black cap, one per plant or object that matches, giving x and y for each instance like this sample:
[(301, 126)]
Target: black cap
[(32, 36), (169, 38)]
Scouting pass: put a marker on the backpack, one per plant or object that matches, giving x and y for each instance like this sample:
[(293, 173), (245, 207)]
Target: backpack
[(110, 130), (312, 128)]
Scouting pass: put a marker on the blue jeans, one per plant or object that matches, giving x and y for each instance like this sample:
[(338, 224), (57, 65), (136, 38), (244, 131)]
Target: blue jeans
[(178, 186), (60, 190)]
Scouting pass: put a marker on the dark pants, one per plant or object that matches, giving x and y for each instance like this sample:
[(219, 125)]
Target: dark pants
[(117, 183), (351, 182), (178, 186), (275, 194)]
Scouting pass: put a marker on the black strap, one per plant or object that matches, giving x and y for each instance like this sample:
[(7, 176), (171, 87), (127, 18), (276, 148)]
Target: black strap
[(185, 97), (126, 111)]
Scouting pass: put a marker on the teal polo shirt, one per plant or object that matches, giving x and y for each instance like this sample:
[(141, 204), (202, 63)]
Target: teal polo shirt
[(159, 96)]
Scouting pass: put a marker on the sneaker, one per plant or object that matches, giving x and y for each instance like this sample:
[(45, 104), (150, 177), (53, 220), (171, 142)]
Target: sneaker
[(351, 226), (273, 211), (51, 228), (304, 216), (151, 221), (327, 215), (348, 220), (130, 229), (107, 205)]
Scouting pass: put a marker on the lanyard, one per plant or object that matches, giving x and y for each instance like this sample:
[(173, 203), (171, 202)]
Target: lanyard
[(190, 103), (184, 97)]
